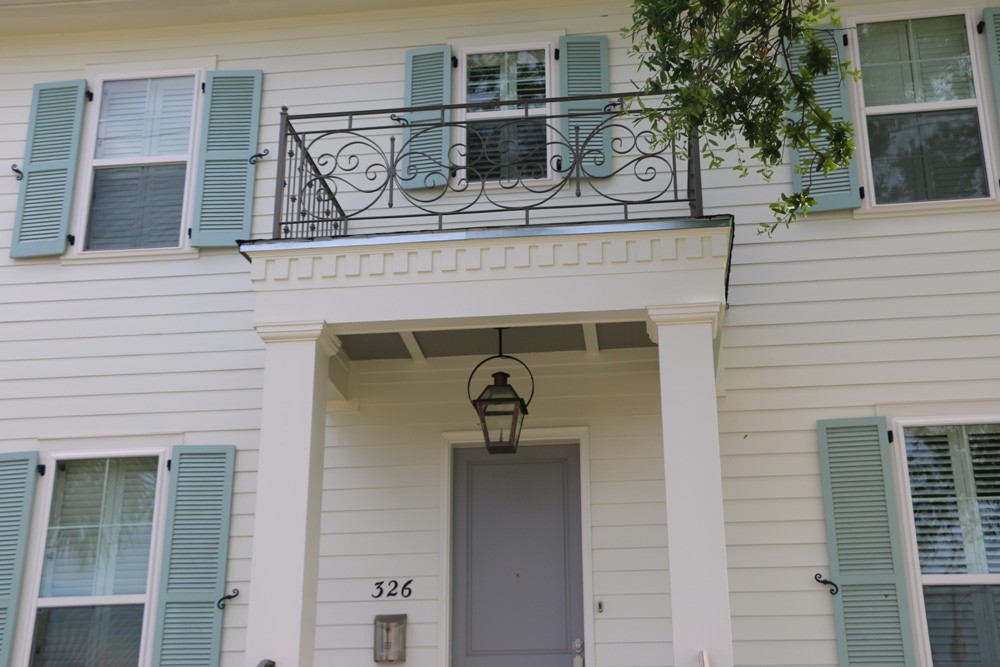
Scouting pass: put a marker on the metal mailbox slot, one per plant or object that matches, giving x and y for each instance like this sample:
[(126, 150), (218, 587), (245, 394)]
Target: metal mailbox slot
[(390, 638)]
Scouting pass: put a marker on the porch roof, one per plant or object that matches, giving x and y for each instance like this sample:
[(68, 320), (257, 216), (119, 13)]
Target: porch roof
[(674, 260)]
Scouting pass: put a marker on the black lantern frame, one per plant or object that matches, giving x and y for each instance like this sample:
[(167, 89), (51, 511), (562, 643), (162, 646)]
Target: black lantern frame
[(499, 407)]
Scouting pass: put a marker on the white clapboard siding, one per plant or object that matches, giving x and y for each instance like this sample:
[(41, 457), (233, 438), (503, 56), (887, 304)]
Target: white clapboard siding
[(829, 318)]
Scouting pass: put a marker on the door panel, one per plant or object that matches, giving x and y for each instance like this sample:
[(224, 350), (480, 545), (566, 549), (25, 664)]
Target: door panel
[(517, 592)]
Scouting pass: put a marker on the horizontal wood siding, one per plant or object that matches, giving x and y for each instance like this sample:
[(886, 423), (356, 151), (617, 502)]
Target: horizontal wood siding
[(838, 318), (834, 317), (137, 351)]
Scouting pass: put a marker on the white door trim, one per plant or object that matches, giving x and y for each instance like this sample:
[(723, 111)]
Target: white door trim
[(452, 440)]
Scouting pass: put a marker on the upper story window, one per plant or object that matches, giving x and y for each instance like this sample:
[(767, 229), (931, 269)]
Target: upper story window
[(924, 130), (954, 480), (141, 154), (94, 593), (166, 160), (530, 138), (923, 115), (506, 142)]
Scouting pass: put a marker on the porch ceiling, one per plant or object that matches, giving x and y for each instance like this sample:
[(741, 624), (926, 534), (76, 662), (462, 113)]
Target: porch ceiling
[(591, 337)]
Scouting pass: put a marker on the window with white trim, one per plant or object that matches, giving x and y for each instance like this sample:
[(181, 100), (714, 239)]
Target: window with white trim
[(923, 114), (109, 581), (140, 163), (954, 488), (507, 142), (95, 576), (129, 163)]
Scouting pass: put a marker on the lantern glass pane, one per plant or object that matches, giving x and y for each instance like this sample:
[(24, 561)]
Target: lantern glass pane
[(498, 392), (499, 425)]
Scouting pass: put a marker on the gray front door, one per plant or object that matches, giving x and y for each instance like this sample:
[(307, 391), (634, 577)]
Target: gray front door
[(517, 596)]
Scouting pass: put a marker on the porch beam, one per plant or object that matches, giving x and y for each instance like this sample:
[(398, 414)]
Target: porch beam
[(338, 374), (590, 340), (412, 346)]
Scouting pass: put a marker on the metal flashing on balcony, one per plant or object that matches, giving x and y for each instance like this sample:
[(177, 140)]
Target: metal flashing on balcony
[(478, 234)]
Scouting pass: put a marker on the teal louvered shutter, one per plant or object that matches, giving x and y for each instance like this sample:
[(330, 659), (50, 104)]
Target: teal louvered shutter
[(225, 177), (53, 148), (863, 535), (193, 570), (840, 189), (424, 153), (584, 70), (991, 16), (17, 490)]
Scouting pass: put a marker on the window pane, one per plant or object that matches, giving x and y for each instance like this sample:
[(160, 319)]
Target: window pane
[(136, 207), (100, 527), (984, 451), (927, 156), (506, 150), (87, 636), (963, 625), (924, 60), (887, 74), (145, 117), (509, 75), (954, 476), (935, 501)]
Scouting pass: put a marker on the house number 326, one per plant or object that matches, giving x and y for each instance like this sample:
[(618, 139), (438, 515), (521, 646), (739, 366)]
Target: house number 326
[(392, 589)]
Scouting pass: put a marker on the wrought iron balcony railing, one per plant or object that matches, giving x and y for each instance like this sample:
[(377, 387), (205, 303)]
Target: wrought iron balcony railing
[(557, 160)]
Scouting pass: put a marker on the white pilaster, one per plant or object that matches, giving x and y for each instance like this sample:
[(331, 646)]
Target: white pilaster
[(281, 622), (696, 540)]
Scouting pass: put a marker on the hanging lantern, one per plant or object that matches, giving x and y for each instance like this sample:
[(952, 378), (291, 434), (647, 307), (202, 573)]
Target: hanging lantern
[(501, 411)]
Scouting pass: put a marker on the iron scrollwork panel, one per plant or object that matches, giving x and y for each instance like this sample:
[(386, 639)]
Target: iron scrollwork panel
[(493, 164)]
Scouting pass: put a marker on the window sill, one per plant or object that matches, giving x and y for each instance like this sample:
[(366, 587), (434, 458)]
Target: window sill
[(130, 255), (496, 185), (926, 207)]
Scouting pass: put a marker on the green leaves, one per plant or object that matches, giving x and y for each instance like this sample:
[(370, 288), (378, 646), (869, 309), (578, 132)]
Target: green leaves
[(744, 72)]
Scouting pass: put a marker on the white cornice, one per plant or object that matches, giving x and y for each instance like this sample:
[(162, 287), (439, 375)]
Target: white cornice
[(287, 265), (611, 275)]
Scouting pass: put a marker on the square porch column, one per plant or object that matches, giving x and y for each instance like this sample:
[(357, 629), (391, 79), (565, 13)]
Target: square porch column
[(281, 623), (696, 540)]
